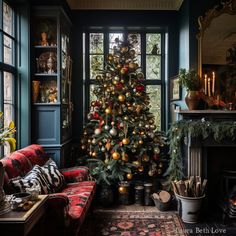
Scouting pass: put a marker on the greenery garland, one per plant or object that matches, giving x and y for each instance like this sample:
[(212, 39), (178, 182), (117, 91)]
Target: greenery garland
[(193, 128)]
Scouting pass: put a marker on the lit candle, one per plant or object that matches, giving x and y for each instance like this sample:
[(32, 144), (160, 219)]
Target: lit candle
[(209, 87), (213, 83), (205, 84)]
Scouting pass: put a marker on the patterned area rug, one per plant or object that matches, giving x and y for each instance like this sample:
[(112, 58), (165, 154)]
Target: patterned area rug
[(133, 224)]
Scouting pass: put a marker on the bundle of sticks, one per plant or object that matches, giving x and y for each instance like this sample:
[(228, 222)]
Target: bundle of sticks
[(192, 187)]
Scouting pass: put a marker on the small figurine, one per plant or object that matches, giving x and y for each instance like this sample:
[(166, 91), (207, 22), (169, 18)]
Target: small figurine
[(44, 41), (50, 63)]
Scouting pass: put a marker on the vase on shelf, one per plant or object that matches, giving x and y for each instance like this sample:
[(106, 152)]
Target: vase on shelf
[(192, 100), (35, 90)]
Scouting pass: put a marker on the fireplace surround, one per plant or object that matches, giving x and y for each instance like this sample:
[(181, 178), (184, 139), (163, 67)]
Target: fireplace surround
[(208, 158)]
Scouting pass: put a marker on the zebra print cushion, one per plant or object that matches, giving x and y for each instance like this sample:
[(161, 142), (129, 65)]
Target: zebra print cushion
[(54, 177), (35, 177)]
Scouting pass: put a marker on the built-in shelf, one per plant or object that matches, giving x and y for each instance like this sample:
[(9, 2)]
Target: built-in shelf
[(46, 103), (46, 47), (46, 74)]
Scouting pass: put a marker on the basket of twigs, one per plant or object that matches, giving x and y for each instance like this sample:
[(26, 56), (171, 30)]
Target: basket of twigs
[(162, 200)]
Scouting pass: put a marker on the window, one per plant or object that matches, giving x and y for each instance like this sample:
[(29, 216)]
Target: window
[(7, 64), (150, 50)]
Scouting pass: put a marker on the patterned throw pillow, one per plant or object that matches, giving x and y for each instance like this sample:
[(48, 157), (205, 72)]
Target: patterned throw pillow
[(54, 177), (35, 177)]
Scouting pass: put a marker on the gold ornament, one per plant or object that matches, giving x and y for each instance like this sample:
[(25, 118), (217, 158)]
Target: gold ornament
[(110, 57), (136, 163), (121, 98), (129, 176), (114, 82), (145, 158), (151, 122), (123, 70), (90, 153), (106, 161), (108, 110), (126, 118), (140, 142), (98, 77), (124, 157), (124, 49), (94, 154), (132, 65), (140, 168), (83, 147), (116, 155), (119, 66), (125, 141), (138, 94), (122, 190)]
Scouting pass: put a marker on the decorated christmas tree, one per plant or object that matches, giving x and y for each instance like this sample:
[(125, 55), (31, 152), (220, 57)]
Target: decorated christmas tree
[(120, 136)]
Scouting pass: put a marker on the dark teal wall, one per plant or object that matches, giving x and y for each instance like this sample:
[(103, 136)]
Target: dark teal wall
[(84, 19)]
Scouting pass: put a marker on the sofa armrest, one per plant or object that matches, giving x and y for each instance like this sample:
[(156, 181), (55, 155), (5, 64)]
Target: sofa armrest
[(76, 174)]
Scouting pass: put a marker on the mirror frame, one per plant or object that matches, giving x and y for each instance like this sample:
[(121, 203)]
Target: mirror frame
[(226, 6)]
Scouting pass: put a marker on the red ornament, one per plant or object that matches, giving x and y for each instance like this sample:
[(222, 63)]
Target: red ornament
[(119, 86), (95, 116), (140, 87)]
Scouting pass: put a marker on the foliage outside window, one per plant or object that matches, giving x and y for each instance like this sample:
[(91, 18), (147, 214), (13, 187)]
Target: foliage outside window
[(7, 67), (150, 57)]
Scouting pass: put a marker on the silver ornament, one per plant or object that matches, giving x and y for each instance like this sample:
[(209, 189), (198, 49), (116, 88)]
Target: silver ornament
[(113, 132), (97, 131), (106, 127), (94, 141), (103, 149), (156, 150), (116, 78)]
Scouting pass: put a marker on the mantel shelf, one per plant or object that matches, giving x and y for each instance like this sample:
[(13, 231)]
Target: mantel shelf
[(207, 112)]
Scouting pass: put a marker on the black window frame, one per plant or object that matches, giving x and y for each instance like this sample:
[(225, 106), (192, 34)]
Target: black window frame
[(4, 67), (87, 81)]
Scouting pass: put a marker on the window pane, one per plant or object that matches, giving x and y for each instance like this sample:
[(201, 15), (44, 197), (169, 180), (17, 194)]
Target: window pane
[(112, 41), (153, 44), (96, 64), (135, 40), (8, 58), (153, 67), (154, 92), (96, 43), (92, 89), (7, 19)]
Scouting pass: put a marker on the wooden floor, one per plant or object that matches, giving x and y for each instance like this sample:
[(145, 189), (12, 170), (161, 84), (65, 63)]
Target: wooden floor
[(206, 228)]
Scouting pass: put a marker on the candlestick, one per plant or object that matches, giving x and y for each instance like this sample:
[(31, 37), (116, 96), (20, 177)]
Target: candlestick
[(205, 85), (213, 83), (209, 87)]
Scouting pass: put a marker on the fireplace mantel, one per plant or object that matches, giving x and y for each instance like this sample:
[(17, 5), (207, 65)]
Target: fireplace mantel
[(196, 146), (210, 114)]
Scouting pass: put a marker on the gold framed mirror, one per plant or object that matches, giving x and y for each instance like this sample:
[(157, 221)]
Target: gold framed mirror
[(217, 47)]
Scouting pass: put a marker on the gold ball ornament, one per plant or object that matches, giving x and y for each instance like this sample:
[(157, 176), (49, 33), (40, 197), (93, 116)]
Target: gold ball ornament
[(132, 65), (151, 122), (140, 168), (129, 176), (90, 153), (83, 147), (94, 154), (121, 98), (140, 142), (108, 110), (138, 94), (122, 190), (119, 66), (126, 118), (125, 141), (145, 158), (110, 57), (123, 70), (98, 77), (116, 155), (124, 49), (136, 163), (132, 52)]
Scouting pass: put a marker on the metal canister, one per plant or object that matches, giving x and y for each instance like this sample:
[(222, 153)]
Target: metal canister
[(139, 195), (124, 196), (148, 189)]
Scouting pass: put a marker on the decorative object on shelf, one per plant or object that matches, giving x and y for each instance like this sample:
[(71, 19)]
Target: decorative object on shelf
[(47, 63), (189, 194), (35, 90), (175, 89), (44, 41), (48, 91), (191, 81), (191, 129)]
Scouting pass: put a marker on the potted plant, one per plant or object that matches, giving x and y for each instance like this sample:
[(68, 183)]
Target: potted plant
[(6, 133), (191, 81)]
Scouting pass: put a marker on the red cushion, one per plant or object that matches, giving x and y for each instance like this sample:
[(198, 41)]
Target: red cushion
[(80, 196), (35, 154), (75, 174), (16, 164)]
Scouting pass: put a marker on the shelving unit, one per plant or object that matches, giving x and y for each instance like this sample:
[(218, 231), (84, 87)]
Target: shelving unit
[(51, 68)]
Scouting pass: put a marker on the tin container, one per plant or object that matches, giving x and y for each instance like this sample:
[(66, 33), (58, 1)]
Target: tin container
[(139, 190)]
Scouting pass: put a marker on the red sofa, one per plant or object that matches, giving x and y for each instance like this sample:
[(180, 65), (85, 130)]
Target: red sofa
[(67, 209)]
